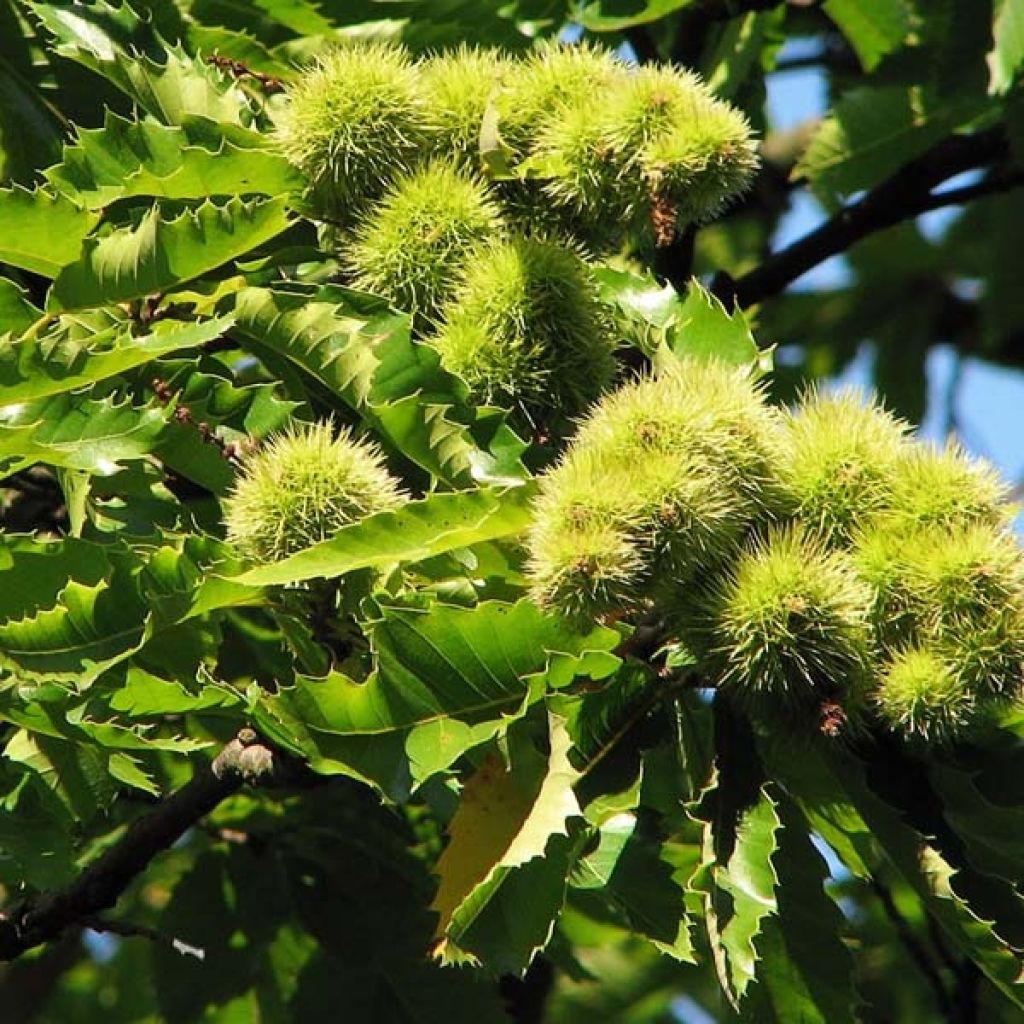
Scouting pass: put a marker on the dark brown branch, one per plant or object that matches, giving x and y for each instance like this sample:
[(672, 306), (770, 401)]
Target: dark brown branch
[(44, 917), (906, 194)]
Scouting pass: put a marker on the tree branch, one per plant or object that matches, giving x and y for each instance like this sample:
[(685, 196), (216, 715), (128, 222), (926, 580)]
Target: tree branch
[(906, 194), (44, 917)]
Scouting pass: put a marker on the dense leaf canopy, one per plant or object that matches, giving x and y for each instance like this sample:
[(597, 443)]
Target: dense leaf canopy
[(436, 580)]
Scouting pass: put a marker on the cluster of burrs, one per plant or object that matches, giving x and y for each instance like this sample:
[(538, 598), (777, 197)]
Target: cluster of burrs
[(820, 564), (474, 190)]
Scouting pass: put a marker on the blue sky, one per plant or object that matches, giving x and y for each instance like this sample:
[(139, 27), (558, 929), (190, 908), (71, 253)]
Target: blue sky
[(989, 400)]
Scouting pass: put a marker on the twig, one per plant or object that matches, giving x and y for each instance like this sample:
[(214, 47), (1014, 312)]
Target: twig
[(127, 931), (913, 945), (906, 194), (44, 917)]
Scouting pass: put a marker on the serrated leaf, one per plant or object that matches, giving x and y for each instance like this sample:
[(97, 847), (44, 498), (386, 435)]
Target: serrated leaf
[(144, 695), (628, 869), (871, 840), (1007, 54), (35, 831), (16, 312), (74, 433), (874, 28), (616, 15), (128, 158), (667, 324), (374, 367), (42, 568), (704, 330), (805, 970), (41, 232), (741, 893), (76, 772), (421, 529), (443, 661), (870, 133), (32, 368), (101, 36), (509, 837), (992, 835), (90, 629), (130, 263)]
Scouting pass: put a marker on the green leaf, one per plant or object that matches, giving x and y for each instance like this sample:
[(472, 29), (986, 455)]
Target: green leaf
[(128, 158), (90, 629), (664, 323), (503, 873), (993, 835), (628, 869), (74, 433), (616, 15), (874, 28), (61, 362), (130, 263), (421, 529), (16, 312), (372, 365), (35, 831), (870, 133), (805, 971), (143, 695), (475, 663), (1007, 54), (704, 330), (43, 568), (76, 772), (100, 37), (872, 841), (740, 890), (42, 232)]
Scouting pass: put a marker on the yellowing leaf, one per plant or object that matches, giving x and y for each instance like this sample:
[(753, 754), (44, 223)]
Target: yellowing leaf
[(504, 821)]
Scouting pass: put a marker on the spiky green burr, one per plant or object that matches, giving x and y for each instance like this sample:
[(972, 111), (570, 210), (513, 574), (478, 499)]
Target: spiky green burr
[(841, 456), (656, 153), (554, 78), (920, 695), (680, 465), (303, 486), (525, 327), (947, 487), (788, 629), (411, 248), (458, 87), (353, 121)]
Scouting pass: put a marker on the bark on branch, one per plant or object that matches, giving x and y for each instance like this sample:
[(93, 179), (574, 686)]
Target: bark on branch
[(45, 916), (905, 195)]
